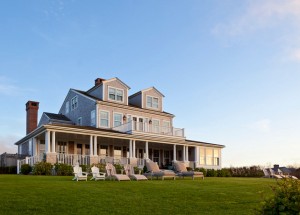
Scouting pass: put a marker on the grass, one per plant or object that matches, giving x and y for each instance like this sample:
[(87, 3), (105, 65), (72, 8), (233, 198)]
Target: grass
[(59, 195)]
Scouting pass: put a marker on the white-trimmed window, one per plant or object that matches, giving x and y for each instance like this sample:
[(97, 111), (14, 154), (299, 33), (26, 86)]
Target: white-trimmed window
[(115, 94), (74, 102), (216, 157), (104, 119), (93, 117), (67, 107), (79, 121), (202, 156), (62, 147), (166, 127), (152, 102), (155, 126), (209, 156), (117, 119)]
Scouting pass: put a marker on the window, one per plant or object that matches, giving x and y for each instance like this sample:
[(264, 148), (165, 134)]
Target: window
[(103, 151), (216, 157), (155, 126), (104, 121), (117, 119), (152, 102), (115, 94), (74, 103), (67, 107), (117, 152), (166, 127), (93, 117), (79, 121), (209, 157), (202, 156)]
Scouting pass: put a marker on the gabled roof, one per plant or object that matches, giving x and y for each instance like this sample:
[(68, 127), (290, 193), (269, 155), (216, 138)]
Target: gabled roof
[(97, 99), (147, 89), (56, 116), (114, 79)]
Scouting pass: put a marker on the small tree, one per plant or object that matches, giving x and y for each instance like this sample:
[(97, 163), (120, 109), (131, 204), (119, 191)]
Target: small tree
[(286, 198)]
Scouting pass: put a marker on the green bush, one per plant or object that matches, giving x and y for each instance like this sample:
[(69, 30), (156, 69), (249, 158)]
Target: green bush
[(119, 168), (101, 167), (223, 173), (42, 168), (25, 169), (211, 173), (63, 169), (286, 198)]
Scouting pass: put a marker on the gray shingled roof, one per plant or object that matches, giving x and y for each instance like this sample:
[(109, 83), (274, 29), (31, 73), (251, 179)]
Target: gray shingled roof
[(57, 116)]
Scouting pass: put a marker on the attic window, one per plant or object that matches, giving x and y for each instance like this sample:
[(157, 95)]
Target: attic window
[(74, 102), (115, 94), (152, 102)]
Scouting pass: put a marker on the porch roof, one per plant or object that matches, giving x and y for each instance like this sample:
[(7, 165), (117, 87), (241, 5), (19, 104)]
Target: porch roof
[(88, 130)]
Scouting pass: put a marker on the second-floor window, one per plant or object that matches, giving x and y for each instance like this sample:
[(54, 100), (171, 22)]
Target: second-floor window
[(104, 120), (74, 102), (117, 119), (152, 102), (67, 107), (115, 94), (93, 117)]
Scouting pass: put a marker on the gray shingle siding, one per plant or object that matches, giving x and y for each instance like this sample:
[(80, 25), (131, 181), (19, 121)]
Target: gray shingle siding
[(84, 108), (44, 120), (97, 92), (136, 100)]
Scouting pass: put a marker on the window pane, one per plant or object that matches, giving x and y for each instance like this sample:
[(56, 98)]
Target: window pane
[(155, 102), (149, 101), (112, 93), (119, 95), (117, 119), (103, 119)]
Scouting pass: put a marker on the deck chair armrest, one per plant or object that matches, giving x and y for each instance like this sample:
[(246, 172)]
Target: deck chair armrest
[(85, 173)]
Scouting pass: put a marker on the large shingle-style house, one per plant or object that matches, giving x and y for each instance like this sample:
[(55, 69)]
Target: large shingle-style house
[(104, 124)]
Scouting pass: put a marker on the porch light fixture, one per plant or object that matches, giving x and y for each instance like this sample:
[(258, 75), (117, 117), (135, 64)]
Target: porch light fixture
[(124, 118), (150, 121)]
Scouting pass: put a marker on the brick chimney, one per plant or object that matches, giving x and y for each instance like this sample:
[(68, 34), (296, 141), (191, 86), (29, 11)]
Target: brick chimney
[(32, 116), (98, 81)]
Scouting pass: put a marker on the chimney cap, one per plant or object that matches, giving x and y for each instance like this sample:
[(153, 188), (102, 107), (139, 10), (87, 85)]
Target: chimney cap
[(32, 104), (98, 81)]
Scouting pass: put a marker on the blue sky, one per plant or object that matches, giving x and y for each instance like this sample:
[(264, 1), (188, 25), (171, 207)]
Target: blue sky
[(230, 70)]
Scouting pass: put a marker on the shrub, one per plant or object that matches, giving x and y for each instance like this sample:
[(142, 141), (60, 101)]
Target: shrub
[(63, 169), (42, 168), (211, 173), (286, 198), (119, 168), (25, 169), (101, 167)]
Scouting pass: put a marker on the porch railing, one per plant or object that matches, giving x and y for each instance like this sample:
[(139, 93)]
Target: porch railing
[(149, 128), (72, 159), (113, 160)]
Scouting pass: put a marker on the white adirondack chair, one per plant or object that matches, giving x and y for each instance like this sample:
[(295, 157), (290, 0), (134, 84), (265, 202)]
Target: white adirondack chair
[(78, 174), (96, 174)]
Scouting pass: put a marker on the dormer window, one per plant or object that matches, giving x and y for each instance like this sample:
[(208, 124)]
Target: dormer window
[(152, 102), (115, 94), (74, 102)]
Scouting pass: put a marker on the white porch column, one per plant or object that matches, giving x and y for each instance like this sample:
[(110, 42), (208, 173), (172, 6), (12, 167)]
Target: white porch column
[(187, 153), (133, 149), (174, 152), (34, 146), (91, 145), (130, 148), (197, 158), (183, 154), (53, 141), (47, 141), (95, 146), (147, 150)]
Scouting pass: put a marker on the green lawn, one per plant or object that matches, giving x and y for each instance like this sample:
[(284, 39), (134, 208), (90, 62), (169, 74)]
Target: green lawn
[(59, 195)]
